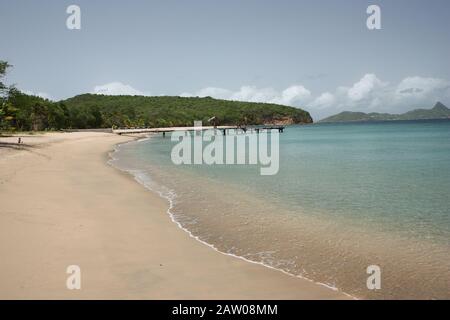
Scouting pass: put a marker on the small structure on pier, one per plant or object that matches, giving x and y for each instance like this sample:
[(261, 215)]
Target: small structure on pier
[(214, 121)]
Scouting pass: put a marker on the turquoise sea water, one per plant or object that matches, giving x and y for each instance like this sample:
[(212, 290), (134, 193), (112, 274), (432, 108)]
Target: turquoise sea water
[(346, 196)]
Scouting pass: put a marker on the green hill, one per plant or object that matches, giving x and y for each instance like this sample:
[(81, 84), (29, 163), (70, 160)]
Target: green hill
[(169, 111), (88, 111), (439, 111)]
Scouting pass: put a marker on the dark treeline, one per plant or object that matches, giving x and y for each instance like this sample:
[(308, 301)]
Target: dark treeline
[(23, 112), (28, 112)]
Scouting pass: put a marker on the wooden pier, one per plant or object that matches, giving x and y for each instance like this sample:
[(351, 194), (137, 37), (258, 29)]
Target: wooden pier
[(223, 129)]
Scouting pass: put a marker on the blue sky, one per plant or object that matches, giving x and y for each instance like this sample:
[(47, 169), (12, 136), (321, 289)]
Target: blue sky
[(318, 55)]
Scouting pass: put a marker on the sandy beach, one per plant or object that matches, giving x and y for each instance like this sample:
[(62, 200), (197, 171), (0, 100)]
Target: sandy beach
[(61, 204)]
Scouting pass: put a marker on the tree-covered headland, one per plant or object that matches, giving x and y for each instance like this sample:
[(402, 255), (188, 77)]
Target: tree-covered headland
[(23, 112)]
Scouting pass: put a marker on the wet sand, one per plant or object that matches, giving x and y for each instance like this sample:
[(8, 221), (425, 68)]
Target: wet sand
[(61, 205)]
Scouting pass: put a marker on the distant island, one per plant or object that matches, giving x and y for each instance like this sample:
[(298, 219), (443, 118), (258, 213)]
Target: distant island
[(439, 111)]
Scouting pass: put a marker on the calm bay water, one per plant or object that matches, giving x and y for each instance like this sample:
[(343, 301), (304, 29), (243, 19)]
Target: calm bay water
[(346, 196)]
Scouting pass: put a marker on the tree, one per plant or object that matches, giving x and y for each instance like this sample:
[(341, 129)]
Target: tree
[(7, 116), (3, 68), (39, 117), (7, 111)]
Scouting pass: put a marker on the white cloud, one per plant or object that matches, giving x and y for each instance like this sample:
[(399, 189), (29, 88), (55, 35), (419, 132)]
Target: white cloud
[(295, 94), (418, 86), (117, 88), (364, 88), (367, 93), (325, 100)]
